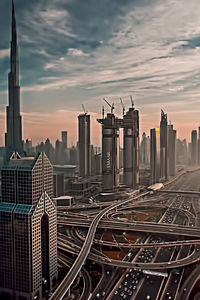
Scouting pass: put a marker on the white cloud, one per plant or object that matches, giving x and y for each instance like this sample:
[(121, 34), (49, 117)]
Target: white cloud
[(149, 54), (76, 52), (4, 53)]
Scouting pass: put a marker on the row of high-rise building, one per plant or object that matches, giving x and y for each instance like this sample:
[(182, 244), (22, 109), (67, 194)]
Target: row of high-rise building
[(162, 150), (111, 149)]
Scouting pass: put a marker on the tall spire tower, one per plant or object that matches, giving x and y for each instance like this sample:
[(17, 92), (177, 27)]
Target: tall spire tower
[(13, 137)]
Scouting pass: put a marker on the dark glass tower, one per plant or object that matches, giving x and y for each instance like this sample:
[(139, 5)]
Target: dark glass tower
[(131, 147), (64, 139), (84, 144), (13, 137), (110, 152), (194, 148), (172, 150), (28, 229), (164, 158), (199, 146)]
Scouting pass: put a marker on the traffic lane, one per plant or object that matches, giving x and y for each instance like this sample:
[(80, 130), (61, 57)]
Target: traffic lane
[(149, 290), (144, 227)]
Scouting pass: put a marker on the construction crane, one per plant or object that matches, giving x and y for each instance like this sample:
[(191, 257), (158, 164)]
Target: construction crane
[(123, 107), (112, 107), (132, 102), (103, 111), (85, 112)]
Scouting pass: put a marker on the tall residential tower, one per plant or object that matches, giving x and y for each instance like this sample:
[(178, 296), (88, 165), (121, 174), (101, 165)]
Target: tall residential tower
[(13, 137)]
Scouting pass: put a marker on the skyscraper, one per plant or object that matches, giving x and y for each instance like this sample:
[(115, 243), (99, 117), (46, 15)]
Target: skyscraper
[(145, 149), (194, 148), (64, 138), (28, 230), (155, 155), (131, 147), (164, 161), (172, 150), (199, 146), (84, 144), (110, 151), (13, 136)]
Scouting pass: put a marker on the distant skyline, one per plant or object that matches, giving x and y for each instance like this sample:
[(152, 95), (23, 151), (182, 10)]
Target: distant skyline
[(74, 52)]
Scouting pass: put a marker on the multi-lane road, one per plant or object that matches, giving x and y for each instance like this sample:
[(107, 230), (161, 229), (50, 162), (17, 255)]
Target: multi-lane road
[(181, 227)]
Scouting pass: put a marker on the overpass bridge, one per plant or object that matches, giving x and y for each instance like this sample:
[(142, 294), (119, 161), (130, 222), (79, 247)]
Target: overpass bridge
[(179, 192)]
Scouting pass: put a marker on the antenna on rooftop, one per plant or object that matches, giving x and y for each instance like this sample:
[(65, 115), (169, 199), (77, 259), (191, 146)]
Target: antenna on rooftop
[(103, 111)]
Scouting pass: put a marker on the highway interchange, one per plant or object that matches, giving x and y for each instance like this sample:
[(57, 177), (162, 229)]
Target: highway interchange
[(154, 266)]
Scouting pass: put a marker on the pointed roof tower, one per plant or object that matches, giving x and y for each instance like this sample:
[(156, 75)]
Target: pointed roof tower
[(13, 137)]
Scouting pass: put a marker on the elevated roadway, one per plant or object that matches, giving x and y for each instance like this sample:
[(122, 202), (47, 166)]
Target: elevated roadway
[(179, 192), (85, 250), (192, 258), (189, 284), (87, 283), (136, 226)]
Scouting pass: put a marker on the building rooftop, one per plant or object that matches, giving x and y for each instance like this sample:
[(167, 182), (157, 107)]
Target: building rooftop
[(24, 161)]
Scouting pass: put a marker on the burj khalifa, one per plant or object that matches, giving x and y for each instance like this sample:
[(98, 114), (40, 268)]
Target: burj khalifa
[(13, 136)]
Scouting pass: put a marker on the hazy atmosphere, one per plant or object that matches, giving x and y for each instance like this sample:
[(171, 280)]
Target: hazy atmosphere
[(74, 52)]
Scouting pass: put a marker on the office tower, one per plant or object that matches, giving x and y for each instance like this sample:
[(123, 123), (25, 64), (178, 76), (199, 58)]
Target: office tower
[(145, 150), (28, 147), (164, 161), (194, 155), (59, 184), (182, 154), (190, 153), (64, 138), (148, 150), (84, 144), (92, 159), (172, 150), (131, 147), (59, 159), (199, 147), (154, 155), (48, 149), (121, 158), (110, 151), (73, 155), (13, 136), (40, 147), (98, 164), (28, 231)]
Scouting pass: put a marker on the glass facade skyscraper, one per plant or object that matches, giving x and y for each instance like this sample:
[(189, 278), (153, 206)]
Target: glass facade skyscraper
[(28, 228), (164, 158), (84, 145)]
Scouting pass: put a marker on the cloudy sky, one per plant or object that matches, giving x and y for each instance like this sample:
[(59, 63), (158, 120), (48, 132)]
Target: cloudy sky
[(75, 51)]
